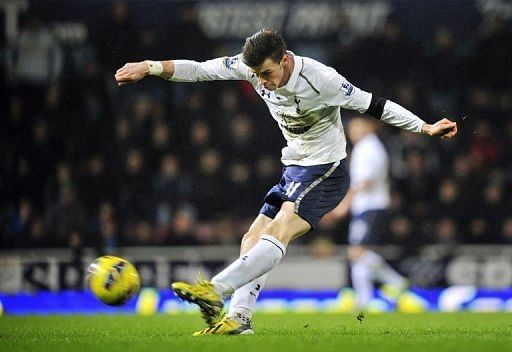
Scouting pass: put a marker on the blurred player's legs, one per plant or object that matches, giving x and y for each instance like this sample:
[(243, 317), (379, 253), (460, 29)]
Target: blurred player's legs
[(362, 282), (367, 266)]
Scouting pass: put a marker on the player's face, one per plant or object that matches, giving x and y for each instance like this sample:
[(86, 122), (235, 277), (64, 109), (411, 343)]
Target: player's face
[(271, 73), (357, 129)]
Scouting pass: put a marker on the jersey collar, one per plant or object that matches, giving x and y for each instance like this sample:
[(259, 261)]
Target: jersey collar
[(295, 73)]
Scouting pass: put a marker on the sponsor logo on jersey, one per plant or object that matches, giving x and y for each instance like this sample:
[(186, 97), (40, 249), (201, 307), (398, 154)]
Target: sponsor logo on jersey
[(265, 93), (229, 62), (347, 88)]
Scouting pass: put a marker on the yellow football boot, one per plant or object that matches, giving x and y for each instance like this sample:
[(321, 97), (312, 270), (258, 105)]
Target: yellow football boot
[(229, 325), (204, 295)]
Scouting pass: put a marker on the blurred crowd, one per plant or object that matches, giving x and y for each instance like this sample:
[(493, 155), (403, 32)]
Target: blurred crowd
[(86, 163)]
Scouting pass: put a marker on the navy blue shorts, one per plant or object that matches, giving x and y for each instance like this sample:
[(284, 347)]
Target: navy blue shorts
[(368, 228), (315, 190)]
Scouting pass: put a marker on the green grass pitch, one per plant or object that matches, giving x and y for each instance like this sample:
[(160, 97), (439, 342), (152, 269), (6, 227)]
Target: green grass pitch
[(274, 332)]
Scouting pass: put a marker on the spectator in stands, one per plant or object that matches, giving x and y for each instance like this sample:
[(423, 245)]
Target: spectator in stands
[(171, 185), (63, 177), (40, 151), (51, 123), (446, 68), (142, 119), (66, 220), (494, 47), (484, 149), (184, 227), (241, 142), (18, 229), (209, 187), (171, 189), (117, 35), (161, 143), (95, 184), (109, 237), (402, 231), (418, 184), (449, 202), (446, 231), (494, 208), (199, 140), (34, 61), (239, 183), (506, 230), (105, 230), (134, 196)]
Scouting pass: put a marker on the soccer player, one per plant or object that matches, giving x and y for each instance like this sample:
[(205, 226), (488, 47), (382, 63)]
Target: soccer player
[(304, 98), (367, 199)]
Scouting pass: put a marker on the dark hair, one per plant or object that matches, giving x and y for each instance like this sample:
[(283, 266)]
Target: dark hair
[(264, 44)]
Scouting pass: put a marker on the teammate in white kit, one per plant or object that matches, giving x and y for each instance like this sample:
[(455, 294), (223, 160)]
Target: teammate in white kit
[(304, 97), (367, 200)]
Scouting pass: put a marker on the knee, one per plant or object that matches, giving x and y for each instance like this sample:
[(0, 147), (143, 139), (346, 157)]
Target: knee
[(248, 241), (250, 237), (279, 230)]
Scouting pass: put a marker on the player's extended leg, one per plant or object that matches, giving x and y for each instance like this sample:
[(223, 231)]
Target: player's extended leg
[(296, 204), (238, 320), (210, 305), (244, 298), (257, 261), (266, 253)]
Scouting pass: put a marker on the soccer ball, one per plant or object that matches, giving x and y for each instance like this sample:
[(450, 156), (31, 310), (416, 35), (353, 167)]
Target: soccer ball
[(113, 280)]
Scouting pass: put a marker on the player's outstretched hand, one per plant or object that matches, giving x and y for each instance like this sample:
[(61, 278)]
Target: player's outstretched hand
[(131, 72), (443, 128)]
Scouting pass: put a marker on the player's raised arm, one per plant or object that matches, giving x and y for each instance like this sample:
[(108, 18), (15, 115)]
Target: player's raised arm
[(135, 71), (339, 91), (223, 68)]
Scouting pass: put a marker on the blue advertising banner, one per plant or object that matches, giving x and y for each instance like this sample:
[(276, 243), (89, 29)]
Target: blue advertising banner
[(152, 301)]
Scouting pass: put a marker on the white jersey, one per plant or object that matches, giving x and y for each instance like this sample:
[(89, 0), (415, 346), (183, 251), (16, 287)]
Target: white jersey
[(306, 109), (369, 163)]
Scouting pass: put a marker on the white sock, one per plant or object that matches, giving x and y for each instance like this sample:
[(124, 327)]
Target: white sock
[(362, 281), (258, 261), (244, 299), (381, 270)]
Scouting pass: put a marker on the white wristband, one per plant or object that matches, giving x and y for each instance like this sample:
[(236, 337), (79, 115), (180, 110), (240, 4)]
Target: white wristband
[(155, 67)]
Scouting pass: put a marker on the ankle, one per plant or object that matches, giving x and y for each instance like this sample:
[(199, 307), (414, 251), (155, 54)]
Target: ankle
[(222, 289), (243, 316)]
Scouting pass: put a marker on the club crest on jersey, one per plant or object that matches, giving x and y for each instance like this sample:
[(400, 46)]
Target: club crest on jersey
[(229, 62), (347, 88)]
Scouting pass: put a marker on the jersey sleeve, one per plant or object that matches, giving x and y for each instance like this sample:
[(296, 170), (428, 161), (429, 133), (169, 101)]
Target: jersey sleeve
[(338, 91), (219, 69), (398, 116)]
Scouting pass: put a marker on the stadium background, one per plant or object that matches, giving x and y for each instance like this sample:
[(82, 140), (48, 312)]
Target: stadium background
[(170, 175)]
